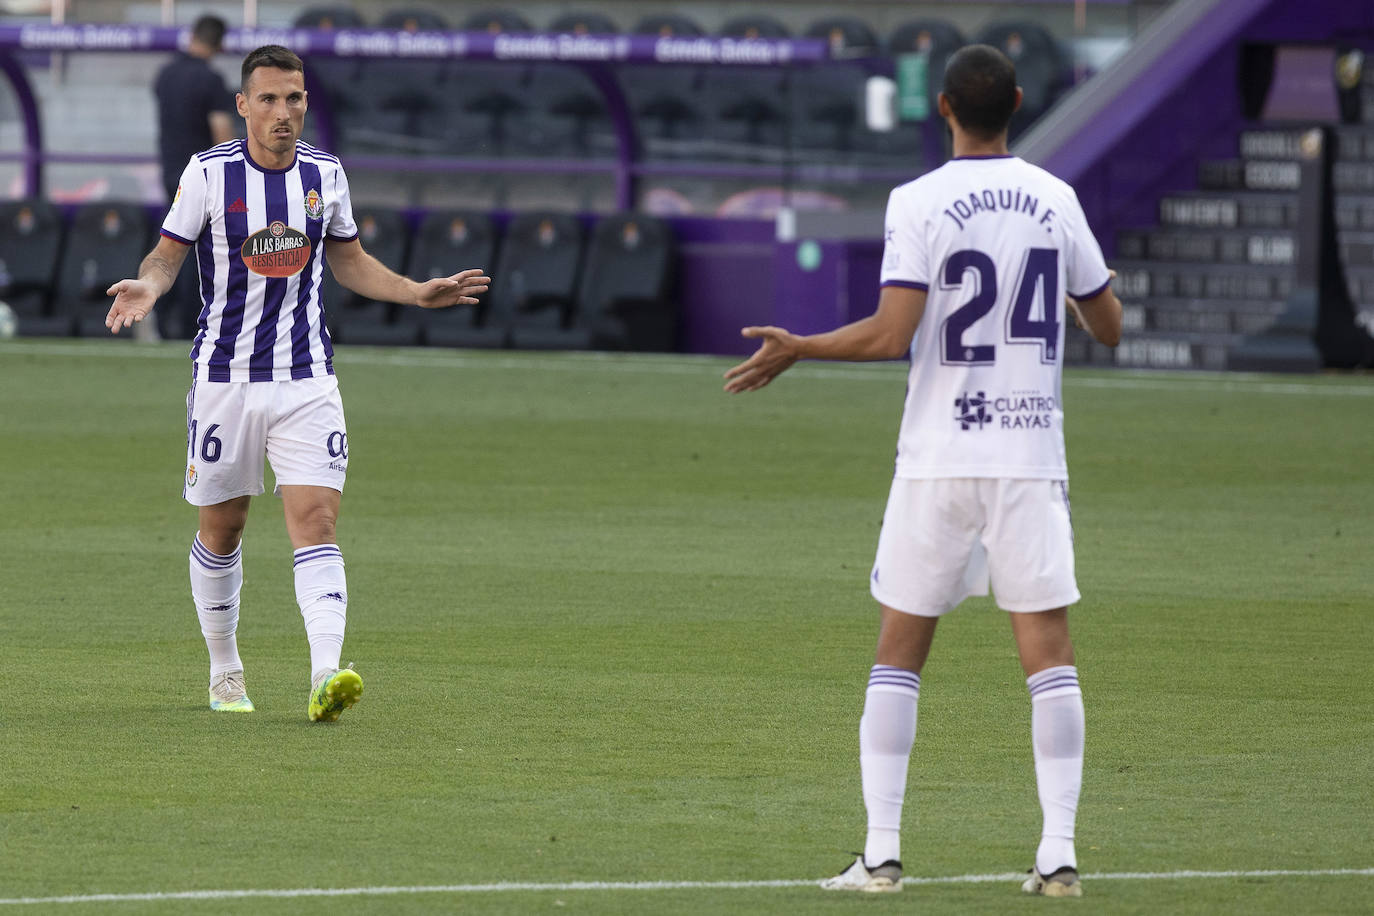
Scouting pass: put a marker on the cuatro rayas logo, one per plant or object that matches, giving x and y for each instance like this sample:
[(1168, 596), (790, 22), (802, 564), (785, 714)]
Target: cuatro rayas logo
[(277, 251), (971, 411)]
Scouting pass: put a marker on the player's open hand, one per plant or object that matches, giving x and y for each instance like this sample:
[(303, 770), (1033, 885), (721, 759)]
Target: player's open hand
[(779, 350), (133, 300), (462, 288)]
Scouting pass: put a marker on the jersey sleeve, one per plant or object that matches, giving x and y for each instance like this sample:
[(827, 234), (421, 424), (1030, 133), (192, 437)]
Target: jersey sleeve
[(1085, 270), (905, 253), (189, 212), (339, 223)]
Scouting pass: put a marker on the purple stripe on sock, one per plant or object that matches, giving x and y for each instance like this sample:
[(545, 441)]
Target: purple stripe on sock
[(895, 676), (1063, 675), (1058, 682), (321, 558), (205, 557), (322, 548), (1051, 673), (198, 545), (310, 554), (1070, 680), (891, 669), (905, 685), (889, 676), (210, 561)]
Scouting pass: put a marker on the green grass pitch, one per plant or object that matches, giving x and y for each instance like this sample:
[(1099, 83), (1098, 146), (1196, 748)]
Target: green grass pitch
[(614, 626)]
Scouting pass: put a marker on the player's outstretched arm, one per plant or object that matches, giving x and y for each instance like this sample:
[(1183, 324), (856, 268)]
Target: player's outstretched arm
[(886, 334), (359, 271), (134, 299)]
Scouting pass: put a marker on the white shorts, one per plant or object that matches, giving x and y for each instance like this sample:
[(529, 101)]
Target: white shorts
[(298, 425), (944, 539)]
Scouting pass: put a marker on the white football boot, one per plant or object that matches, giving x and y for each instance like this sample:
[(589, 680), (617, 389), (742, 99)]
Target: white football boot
[(881, 879)]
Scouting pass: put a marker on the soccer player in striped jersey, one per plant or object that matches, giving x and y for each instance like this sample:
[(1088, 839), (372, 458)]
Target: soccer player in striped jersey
[(266, 215), (979, 255)]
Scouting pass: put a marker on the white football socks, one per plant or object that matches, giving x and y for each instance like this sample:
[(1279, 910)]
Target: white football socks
[(886, 733), (322, 593), (215, 585), (1057, 739)]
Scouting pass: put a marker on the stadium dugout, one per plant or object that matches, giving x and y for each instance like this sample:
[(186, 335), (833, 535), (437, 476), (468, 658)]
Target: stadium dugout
[(1239, 213)]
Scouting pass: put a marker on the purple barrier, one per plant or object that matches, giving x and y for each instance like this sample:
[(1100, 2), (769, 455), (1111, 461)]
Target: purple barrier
[(766, 52), (734, 273), (725, 281)]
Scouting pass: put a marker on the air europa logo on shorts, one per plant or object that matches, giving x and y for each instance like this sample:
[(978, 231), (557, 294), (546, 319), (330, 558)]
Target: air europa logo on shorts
[(277, 251)]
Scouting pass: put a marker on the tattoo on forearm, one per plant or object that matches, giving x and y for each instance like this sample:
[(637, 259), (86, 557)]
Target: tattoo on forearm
[(155, 266)]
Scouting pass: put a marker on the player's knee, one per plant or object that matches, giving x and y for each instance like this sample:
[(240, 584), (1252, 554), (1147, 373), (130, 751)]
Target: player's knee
[(317, 529), (314, 525), (220, 539), (904, 639), (1052, 650), (221, 526)]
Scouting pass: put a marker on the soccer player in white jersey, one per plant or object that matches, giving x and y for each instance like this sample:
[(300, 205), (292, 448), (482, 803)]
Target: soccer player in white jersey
[(264, 215), (980, 254)]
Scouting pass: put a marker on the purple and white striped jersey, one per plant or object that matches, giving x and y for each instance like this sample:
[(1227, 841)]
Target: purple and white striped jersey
[(259, 236)]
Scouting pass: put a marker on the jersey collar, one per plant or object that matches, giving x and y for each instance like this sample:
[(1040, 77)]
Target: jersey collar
[(248, 157)]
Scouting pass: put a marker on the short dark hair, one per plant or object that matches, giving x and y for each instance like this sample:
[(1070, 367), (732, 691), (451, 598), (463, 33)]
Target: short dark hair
[(209, 31), (980, 83), (271, 56)]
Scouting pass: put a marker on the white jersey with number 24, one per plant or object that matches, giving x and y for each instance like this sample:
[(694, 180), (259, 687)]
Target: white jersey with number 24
[(996, 243)]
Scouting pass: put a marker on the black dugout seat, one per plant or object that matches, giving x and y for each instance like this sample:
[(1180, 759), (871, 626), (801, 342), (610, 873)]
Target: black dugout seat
[(106, 243), (623, 293), (535, 283), (385, 235), (446, 242), (30, 243)]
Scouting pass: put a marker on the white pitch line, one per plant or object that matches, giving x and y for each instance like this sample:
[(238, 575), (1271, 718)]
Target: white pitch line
[(507, 887), (1259, 873), (707, 367)]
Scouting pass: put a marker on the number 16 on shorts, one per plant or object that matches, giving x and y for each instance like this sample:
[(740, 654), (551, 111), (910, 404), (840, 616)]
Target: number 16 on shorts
[(296, 425)]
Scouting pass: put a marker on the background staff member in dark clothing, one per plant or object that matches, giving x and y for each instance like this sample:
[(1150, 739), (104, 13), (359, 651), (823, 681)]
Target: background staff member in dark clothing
[(194, 112)]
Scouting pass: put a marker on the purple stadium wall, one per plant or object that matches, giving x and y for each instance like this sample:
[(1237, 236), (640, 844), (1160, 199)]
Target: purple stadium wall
[(1201, 120), (734, 273)]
